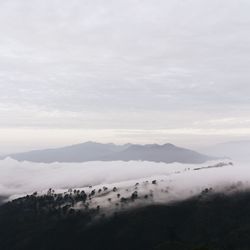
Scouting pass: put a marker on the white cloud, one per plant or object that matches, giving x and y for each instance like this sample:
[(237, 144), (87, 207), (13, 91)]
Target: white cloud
[(182, 181)]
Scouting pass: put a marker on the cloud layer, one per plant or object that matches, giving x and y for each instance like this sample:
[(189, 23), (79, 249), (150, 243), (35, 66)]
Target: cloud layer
[(17, 179)]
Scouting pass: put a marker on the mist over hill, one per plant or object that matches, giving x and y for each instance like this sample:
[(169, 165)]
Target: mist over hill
[(92, 151)]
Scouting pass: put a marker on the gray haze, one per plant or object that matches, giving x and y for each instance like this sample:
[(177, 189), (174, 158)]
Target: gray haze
[(236, 150), (124, 71)]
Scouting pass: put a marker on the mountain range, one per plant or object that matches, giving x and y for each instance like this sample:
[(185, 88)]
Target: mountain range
[(93, 151)]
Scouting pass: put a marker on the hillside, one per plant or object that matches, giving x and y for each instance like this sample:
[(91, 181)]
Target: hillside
[(208, 221)]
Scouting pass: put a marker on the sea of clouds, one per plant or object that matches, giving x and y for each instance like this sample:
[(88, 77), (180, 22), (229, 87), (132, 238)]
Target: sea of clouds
[(21, 178)]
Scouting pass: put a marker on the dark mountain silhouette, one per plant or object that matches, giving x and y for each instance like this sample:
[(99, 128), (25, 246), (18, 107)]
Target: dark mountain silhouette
[(92, 151), (206, 222), (2, 199)]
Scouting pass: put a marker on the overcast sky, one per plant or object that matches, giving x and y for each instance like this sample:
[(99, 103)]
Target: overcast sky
[(123, 70)]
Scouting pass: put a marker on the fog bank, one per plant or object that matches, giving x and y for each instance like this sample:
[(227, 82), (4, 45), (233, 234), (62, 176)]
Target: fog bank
[(24, 178)]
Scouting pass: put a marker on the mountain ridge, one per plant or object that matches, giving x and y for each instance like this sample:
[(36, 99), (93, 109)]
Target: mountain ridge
[(94, 151)]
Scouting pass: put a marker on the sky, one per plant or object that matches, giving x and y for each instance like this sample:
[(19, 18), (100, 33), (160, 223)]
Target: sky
[(122, 71)]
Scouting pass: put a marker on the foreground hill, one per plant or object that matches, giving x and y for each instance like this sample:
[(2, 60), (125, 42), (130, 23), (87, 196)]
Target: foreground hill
[(208, 221), (91, 151)]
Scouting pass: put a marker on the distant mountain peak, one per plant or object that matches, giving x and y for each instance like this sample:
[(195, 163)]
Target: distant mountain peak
[(94, 151), (169, 145)]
